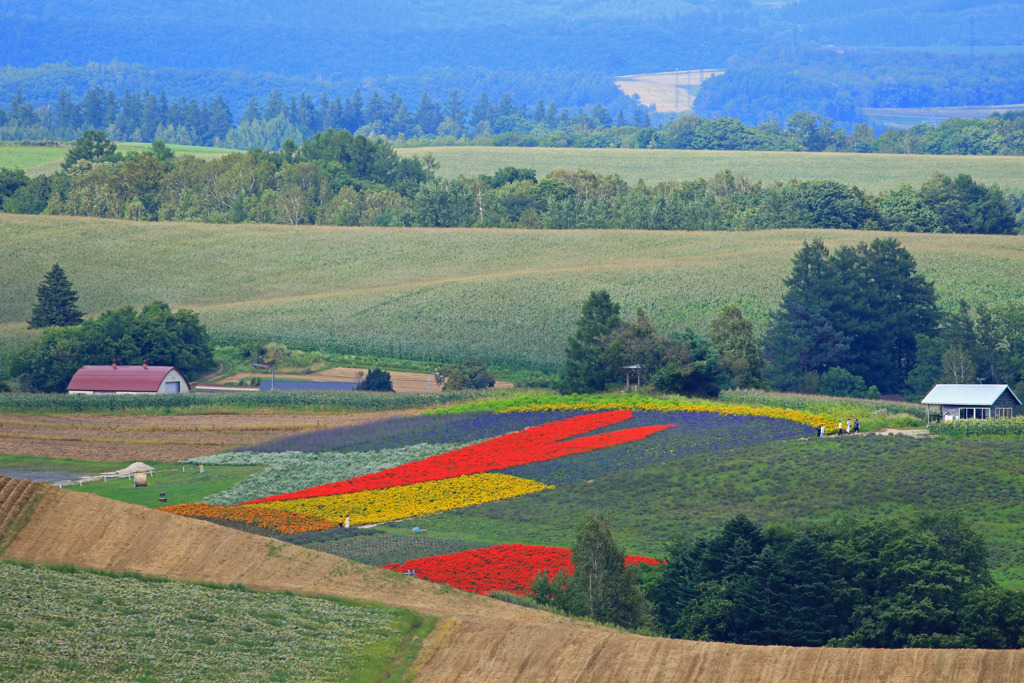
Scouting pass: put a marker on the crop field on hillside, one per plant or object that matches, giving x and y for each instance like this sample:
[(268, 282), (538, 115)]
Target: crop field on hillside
[(83, 626), (509, 297), (870, 172)]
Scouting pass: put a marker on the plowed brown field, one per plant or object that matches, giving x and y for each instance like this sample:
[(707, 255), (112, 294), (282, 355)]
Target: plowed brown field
[(403, 382), (478, 639), (158, 438)]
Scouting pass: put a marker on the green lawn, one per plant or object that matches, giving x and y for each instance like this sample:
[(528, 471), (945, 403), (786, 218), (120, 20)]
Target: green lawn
[(507, 296), (46, 160), (783, 482), (186, 486), (870, 172), (181, 487)]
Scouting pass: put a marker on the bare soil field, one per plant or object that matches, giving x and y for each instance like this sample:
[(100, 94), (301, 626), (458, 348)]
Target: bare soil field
[(403, 382), (158, 438), (477, 638)]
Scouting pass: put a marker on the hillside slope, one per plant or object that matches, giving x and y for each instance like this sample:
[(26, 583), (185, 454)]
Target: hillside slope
[(508, 297), (481, 639)]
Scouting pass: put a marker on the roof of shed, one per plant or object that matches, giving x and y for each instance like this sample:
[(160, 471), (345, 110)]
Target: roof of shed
[(967, 394), (119, 377)]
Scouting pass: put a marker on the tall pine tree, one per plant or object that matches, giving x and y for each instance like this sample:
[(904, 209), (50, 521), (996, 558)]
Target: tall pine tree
[(56, 302), (587, 367)]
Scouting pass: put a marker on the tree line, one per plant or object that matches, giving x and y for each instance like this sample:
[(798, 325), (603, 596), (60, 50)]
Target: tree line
[(857, 321), (143, 116), (886, 583), (336, 178)]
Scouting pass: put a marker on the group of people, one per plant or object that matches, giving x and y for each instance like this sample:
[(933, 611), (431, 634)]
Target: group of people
[(852, 427)]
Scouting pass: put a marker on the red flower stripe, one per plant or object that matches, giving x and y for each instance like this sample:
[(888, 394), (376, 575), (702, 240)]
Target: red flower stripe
[(533, 444), (509, 567)]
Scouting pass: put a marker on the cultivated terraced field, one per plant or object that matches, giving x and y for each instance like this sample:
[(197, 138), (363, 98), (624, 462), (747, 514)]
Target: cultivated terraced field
[(871, 172), (509, 297), (157, 438)]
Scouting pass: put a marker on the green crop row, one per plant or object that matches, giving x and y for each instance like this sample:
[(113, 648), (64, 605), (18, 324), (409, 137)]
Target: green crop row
[(81, 626), (299, 401), (960, 428), (509, 297)]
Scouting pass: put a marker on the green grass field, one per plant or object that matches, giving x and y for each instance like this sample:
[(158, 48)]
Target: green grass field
[(871, 172), (509, 297), (46, 160), (186, 486)]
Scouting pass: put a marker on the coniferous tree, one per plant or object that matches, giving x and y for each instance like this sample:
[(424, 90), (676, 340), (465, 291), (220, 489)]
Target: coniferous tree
[(601, 586), (56, 302), (586, 368)]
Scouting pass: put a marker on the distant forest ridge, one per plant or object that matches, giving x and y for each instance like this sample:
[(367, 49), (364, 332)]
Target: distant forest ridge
[(366, 38), (840, 84), (454, 120)]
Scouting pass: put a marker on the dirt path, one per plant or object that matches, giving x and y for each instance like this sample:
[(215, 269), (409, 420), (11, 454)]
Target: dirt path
[(478, 639), (160, 438)]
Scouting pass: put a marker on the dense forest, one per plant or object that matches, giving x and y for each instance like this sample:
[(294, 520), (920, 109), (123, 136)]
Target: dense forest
[(826, 58), (144, 116), (337, 178)]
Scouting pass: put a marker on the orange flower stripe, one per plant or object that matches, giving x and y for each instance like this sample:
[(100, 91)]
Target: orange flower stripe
[(281, 521)]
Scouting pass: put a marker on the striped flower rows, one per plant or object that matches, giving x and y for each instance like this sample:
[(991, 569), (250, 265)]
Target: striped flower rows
[(280, 521), (509, 567), (738, 411), (411, 500), (534, 444)]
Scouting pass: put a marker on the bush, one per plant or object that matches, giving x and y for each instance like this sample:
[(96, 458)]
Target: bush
[(376, 380)]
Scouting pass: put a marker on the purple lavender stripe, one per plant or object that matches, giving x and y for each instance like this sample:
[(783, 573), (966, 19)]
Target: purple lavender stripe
[(694, 434)]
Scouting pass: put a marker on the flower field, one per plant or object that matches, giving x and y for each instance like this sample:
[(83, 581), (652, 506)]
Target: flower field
[(414, 466), (281, 521), (412, 500), (534, 444), (294, 470), (507, 567)]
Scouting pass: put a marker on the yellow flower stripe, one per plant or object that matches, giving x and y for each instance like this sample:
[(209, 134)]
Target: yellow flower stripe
[(413, 500), (781, 413)]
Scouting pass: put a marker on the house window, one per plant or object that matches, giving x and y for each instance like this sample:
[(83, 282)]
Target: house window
[(1004, 412), (974, 413)]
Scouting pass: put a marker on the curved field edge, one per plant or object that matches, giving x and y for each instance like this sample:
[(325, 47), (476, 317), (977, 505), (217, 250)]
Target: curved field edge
[(478, 638)]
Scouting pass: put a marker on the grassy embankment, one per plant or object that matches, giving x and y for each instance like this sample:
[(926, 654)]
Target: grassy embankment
[(509, 297), (870, 172)]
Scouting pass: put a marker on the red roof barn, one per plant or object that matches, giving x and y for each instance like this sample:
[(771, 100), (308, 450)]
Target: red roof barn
[(128, 379)]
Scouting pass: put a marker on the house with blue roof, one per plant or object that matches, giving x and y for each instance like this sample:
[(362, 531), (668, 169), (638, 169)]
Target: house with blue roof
[(973, 401)]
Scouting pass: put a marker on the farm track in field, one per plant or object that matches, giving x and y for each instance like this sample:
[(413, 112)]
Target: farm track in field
[(160, 438), (477, 638)]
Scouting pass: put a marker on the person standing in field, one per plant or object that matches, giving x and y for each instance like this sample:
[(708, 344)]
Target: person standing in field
[(849, 425), (856, 425), (839, 429)]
